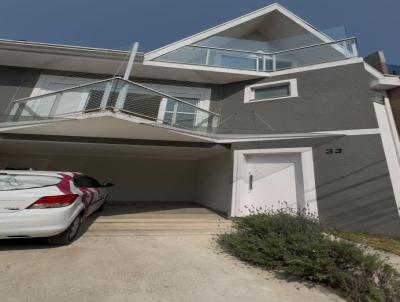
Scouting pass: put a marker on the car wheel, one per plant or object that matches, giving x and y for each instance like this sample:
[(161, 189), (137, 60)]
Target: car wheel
[(101, 208), (69, 234)]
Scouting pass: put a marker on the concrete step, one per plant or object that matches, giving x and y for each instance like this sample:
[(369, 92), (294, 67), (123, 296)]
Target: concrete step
[(162, 221), (157, 227), (149, 219), (154, 232)]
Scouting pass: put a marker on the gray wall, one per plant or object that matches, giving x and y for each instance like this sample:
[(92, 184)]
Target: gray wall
[(329, 99), (354, 190), (15, 83)]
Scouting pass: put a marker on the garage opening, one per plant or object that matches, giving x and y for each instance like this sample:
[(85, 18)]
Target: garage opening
[(154, 175)]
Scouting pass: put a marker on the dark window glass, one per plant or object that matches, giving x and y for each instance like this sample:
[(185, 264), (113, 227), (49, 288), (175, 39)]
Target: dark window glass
[(272, 92), (86, 182)]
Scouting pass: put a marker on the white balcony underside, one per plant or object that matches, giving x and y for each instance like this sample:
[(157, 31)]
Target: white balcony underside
[(105, 124), (118, 125)]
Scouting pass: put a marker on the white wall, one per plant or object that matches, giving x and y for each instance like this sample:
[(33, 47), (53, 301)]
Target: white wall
[(135, 179), (214, 182)]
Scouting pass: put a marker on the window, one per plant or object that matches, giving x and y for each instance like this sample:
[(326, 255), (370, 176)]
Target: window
[(86, 182), (271, 91), (181, 114)]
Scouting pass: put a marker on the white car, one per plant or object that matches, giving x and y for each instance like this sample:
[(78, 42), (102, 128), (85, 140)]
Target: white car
[(47, 204)]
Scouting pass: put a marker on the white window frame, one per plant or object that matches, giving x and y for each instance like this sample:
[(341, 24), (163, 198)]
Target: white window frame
[(203, 94), (249, 91), (41, 86)]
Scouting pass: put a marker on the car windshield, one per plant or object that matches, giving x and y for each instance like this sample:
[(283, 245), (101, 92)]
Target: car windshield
[(10, 182)]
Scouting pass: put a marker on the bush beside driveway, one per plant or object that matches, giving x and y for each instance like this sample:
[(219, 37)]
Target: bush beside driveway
[(296, 243)]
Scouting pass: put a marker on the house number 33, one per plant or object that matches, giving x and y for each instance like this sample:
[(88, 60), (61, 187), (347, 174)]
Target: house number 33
[(334, 151)]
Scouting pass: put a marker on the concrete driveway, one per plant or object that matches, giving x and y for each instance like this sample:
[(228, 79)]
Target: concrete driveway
[(119, 259)]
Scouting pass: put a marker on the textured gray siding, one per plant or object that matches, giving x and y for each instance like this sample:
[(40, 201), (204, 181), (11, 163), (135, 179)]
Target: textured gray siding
[(329, 99), (354, 190), (15, 83)]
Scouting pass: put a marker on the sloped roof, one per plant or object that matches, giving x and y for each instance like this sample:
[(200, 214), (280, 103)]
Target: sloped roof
[(240, 21)]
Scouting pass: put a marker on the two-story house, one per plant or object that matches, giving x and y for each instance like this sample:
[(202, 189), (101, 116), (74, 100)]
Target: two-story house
[(261, 112)]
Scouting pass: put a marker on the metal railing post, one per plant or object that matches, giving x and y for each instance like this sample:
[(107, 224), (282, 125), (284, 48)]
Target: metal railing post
[(174, 113), (274, 62), (106, 95), (354, 47), (122, 96), (208, 57), (19, 111), (55, 105), (264, 61)]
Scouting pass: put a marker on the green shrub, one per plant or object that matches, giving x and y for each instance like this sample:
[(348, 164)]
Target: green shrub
[(297, 244)]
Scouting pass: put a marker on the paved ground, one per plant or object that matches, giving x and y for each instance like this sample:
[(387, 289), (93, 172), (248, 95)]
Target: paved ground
[(119, 259)]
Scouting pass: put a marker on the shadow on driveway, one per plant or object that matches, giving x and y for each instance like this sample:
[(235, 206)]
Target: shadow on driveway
[(114, 210)]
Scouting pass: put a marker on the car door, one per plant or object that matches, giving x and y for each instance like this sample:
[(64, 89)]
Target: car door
[(93, 193)]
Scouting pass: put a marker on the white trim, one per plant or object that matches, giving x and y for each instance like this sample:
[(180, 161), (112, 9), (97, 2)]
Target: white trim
[(235, 22), (310, 192), (317, 66), (45, 79), (385, 83), (251, 72), (352, 132), (389, 148), (373, 71), (286, 136), (392, 124), (205, 68), (61, 46), (249, 91)]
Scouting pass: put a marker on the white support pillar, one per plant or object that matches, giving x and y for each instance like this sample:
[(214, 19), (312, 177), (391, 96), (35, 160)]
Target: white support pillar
[(124, 90), (129, 67)]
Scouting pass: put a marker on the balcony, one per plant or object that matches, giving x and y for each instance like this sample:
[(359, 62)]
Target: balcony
[(205, 55), (146, 105)]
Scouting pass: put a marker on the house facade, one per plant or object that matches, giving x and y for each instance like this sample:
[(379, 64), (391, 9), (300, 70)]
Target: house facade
[(259, 113)]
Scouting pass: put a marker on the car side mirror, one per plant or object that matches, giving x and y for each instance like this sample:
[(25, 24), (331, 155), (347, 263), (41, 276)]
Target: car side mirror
[(107, 184)]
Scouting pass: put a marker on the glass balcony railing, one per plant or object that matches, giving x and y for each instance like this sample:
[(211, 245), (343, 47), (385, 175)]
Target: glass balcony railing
[(263, 61), (126, 96)]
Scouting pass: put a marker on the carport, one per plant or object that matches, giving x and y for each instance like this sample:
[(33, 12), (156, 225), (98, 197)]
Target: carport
[(146, 162)]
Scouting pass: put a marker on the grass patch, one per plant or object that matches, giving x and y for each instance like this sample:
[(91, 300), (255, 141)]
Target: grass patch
[(297, 244), (382, 243)]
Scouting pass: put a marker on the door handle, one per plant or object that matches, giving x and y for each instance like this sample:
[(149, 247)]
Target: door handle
[(250, 182)]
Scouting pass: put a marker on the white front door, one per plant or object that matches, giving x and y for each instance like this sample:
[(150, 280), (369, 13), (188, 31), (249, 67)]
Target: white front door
[(271, 182)]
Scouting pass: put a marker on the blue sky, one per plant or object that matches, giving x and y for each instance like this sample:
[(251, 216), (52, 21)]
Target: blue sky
[(154, 23)]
